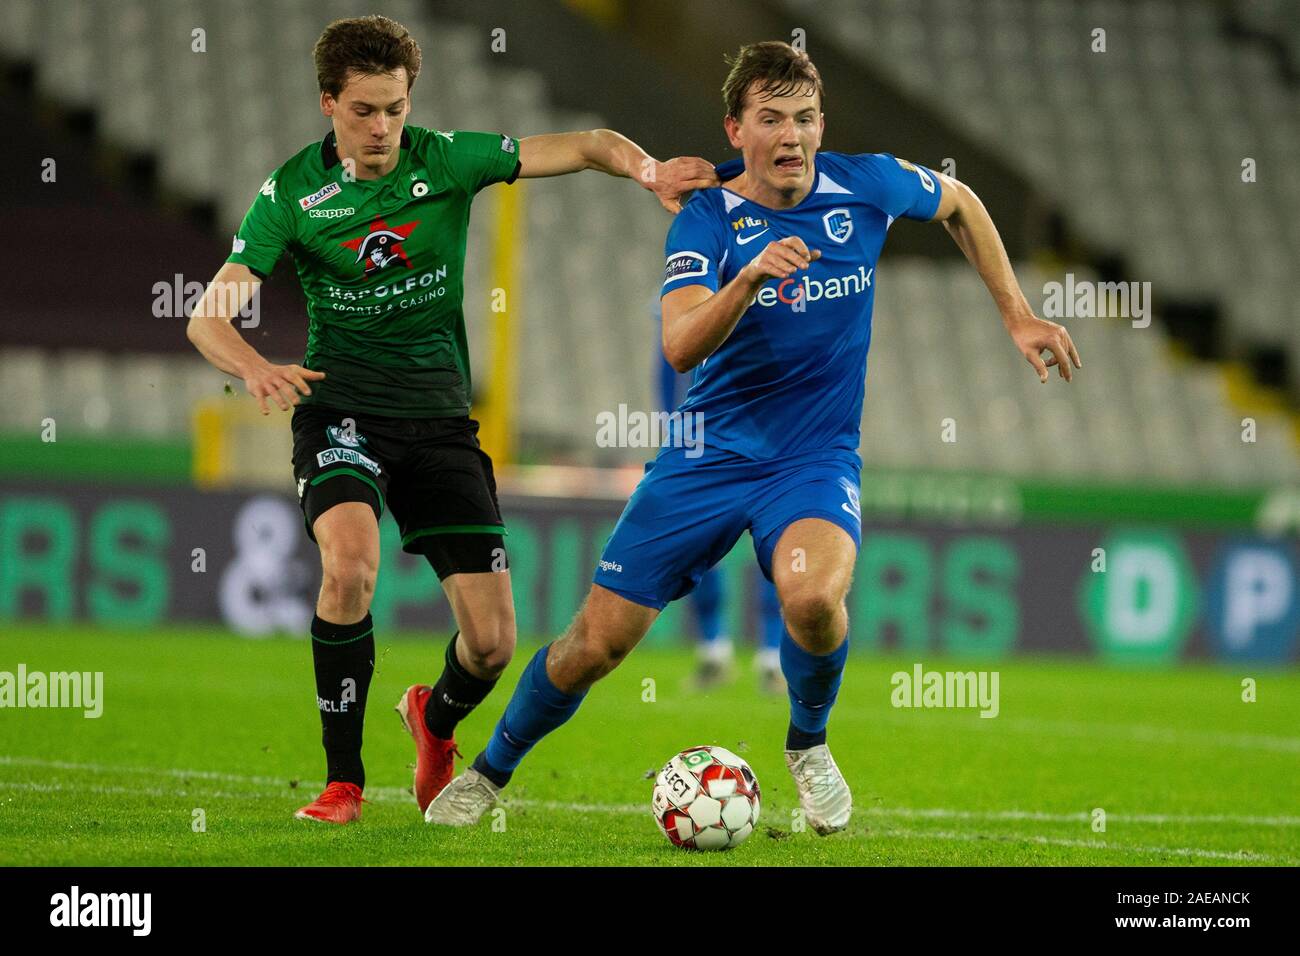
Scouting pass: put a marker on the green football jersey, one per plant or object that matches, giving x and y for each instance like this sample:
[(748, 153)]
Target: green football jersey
[(382, 264)]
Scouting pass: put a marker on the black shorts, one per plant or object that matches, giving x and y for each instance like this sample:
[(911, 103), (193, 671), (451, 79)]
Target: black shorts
[(430, 472)]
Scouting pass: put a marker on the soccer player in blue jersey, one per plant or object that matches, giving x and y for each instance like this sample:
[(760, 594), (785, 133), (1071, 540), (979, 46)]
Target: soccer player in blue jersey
[(716, 652), (768, 290)]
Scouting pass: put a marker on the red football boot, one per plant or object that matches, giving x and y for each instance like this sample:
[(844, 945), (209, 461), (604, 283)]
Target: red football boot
[(433, 755), (339, 803)]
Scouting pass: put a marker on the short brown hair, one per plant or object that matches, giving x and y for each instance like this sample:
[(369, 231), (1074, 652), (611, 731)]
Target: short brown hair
[(365, 45), (781, 68)]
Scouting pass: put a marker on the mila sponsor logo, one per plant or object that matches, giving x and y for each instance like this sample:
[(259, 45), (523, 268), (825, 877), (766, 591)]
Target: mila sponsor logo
[(923, 688), (81, 690), (103, 909)]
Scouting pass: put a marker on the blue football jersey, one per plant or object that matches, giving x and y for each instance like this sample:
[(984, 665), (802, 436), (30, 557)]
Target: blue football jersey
[(790, 377)]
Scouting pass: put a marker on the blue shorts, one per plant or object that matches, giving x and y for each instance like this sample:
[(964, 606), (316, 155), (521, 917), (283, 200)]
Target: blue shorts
[(685, 516)]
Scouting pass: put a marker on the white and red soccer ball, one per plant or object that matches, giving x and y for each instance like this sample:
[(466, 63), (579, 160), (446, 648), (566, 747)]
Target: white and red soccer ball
[(706, 798)]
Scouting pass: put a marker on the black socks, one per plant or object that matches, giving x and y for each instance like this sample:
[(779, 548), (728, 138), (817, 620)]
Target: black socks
[(344, 656), (492, 773), (796, 739), (454, 696)]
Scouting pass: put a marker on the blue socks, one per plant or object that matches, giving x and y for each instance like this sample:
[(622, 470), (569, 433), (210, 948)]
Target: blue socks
[(814, 683), (536, 708)]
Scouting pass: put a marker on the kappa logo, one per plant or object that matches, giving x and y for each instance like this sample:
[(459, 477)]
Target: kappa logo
[(382, 245), (268, 188), (302, 486), (320, 195), (839, 224)]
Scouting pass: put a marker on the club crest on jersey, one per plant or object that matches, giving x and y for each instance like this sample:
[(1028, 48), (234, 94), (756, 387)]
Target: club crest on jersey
[(839, 224), (319, 196), (344, 437), (382, 245)]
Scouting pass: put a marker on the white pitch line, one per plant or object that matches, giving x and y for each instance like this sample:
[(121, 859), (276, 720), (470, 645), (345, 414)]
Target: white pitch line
[(1081, 817), (1106, 733), (79, 788), (401, 794), (1148, 733), (1082, 844), (395, 795), (398, 795)]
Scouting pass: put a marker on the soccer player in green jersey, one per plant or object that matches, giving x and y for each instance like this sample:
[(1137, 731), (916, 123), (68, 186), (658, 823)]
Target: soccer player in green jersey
[(375, 217)]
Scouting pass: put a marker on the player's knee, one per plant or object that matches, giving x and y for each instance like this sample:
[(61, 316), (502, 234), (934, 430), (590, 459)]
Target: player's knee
[(489, 649), (812, 614), (348, 576)]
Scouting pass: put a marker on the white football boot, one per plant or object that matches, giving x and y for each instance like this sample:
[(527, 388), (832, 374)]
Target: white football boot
[(823, 792), (463, 801)]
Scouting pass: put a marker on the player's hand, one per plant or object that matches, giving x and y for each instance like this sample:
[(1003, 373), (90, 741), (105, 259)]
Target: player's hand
[(671, 180), (780, 260), (1034, 336), (281, 383)]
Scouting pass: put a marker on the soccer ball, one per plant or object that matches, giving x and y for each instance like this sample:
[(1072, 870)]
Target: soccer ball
[(706, 798)]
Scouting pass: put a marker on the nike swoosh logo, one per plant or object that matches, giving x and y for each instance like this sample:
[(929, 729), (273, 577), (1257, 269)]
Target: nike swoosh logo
[(741, 242)]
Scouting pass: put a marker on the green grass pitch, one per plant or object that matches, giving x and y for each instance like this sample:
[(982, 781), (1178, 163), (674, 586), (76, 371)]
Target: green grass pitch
[(1185, 771)]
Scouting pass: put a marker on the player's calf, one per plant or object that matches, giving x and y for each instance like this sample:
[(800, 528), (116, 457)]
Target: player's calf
[(343, 644), (549, 692), (475, 658)]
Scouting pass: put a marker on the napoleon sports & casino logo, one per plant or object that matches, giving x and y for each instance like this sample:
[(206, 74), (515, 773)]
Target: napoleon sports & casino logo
[(382, 245)]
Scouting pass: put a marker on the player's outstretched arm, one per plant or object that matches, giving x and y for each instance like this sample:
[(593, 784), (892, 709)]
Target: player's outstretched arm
[(696, 320), (213, 335), (970, 226), (554, 154)]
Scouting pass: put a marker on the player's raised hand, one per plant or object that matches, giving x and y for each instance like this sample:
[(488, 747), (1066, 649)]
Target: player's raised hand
[(671, 180), (283, 383), (1034, 336), (781, 259)]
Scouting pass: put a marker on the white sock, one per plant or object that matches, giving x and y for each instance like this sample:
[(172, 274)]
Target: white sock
[(717, 651)]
